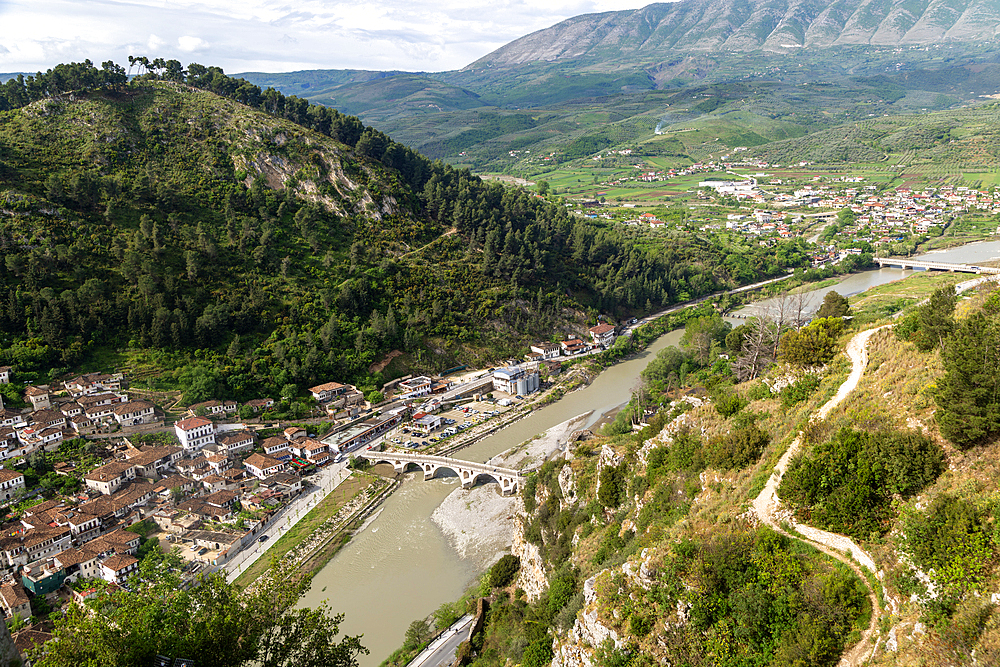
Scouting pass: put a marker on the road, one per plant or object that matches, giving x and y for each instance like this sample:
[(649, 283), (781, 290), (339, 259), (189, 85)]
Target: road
[(321, 485), (694, 302), (441, 652)]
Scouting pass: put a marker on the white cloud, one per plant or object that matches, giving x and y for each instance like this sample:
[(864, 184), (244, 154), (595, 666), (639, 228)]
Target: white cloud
[(189, 44), (275, 35)]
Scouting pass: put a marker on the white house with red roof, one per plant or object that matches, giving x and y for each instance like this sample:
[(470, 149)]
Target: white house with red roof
[(194, 433), (603, 334)]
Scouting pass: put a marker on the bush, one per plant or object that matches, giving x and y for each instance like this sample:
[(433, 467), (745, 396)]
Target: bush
[(613, 486), (538, 654), (504, 570), (846, 485), (813, 344), (737, 449), (799, 391), (952, 541), (759, 391), (640, 625), (728, 404)]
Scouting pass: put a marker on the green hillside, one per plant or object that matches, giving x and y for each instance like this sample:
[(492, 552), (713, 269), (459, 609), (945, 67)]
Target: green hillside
[(229, 248)]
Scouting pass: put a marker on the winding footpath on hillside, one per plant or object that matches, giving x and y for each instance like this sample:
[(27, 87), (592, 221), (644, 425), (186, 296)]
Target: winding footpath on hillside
[(766, 504)]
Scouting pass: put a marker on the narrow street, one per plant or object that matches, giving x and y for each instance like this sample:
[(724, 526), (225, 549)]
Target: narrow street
[(321, 484)]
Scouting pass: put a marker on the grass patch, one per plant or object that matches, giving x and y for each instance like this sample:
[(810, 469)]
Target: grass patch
[(316, 517)]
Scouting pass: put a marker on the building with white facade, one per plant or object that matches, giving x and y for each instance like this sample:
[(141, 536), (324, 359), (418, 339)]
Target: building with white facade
[(11, 483), (516, 380), (195, 433)]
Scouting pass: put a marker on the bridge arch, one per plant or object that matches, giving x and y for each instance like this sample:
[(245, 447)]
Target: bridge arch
[(431, 471), (469, 472)]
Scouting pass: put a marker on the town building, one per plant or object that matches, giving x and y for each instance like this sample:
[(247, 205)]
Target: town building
[(232, 443), (38, 397), (15, 601), (110, 477), (415, 387), (359, 434), (194, 433), (328, 391), (603, 334), (134, 413), (547, 350), (11, 484), (516, 380), (425, 423), (261, 466)]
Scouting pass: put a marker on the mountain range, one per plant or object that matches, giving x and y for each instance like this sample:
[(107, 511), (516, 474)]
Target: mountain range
[(538, 92)]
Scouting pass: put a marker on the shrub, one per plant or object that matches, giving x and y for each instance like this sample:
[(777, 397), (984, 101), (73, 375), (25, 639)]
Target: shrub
[(952, 541), (613, 485), (538, 654), (640, 625), (813, 344), (737, 449), (759, 391), (846, 485), (504, 570), (728, 404), (799, 391)]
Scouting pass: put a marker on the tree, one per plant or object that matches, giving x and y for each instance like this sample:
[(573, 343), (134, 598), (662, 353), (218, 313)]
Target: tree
[(935, 319), (701, 333), (813, 344), (968, 396), (214, 623), (418, 633), (834, 305), (757, 350), (503, 571)]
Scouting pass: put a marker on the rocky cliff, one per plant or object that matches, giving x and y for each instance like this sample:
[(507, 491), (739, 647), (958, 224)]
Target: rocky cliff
[(727, 26)]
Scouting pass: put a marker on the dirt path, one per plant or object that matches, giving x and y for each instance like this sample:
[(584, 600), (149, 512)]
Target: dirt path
[(767, 503)]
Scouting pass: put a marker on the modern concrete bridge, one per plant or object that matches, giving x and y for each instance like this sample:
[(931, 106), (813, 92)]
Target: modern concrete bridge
[(904, 263), (468, 471)]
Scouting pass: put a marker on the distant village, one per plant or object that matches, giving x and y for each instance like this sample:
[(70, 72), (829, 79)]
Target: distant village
[(877, 218), (209, 483)]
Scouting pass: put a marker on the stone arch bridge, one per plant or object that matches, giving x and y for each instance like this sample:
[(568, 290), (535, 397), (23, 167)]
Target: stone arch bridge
[(468, 471)]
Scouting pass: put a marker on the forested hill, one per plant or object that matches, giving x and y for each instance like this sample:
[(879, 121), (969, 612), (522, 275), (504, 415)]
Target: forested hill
[(251, 240)]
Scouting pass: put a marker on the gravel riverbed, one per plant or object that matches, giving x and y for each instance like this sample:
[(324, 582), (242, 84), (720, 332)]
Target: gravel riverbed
[(479, 522)]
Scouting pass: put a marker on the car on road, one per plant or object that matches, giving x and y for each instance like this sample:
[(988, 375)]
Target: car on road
[(262, 538)]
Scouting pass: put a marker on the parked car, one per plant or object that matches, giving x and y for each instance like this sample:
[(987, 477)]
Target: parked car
[(262, 538)]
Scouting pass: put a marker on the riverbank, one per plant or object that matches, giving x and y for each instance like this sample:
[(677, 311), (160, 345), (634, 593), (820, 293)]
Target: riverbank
[(310, 542), (479, 522)]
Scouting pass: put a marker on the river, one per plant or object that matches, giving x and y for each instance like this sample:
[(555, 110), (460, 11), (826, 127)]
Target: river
[(855, 283), (402, 567)]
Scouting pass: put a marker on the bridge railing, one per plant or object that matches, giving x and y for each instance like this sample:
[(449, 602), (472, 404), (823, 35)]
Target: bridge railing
[(442, 460)]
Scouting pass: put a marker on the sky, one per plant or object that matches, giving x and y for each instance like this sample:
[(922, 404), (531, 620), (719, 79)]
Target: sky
[(276, 35)]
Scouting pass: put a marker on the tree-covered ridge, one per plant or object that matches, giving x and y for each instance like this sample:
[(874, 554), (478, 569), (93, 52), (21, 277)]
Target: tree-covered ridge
[(158, 215)]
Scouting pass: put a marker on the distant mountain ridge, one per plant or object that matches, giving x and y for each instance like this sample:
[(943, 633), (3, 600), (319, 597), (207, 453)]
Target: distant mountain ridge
[(749, 25)]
